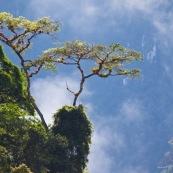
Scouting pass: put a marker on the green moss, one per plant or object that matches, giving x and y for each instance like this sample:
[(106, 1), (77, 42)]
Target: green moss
[(13, 84)]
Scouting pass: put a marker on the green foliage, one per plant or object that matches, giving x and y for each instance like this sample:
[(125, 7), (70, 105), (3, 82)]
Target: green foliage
[(29, 143), (25, 137), (73, 123), (4, 160), (5, 167), (56, 150), (14, 128), (33, 146), (53, 159), (21, 169), (41, 25), (13, 84), (107, 61), (20, 31), (65, 149)]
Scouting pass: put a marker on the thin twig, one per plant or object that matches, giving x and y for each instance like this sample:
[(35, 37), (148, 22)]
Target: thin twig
[(68, 88)]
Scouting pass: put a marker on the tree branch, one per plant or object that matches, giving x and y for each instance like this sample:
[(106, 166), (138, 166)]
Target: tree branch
[(28, 89), (36, 71), (81, 83)]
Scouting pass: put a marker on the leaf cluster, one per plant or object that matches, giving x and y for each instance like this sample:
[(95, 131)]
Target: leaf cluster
[(64, 149), (18, 32), (13, 84), (4, 160), (42, 25), (73, 123), (21, 169), (27, 142), (107, 61)]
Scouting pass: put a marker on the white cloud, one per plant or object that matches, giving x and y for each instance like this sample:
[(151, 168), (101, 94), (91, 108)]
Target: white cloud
[(132, 111), (124, 81), (78, 14), (168, 70), (110, 140), (99, 159), (134, 5), (151, 54), (50, 93), (143, 41), (164, 25), (131, 169), (158, 12), (90, 15), (105, 139)]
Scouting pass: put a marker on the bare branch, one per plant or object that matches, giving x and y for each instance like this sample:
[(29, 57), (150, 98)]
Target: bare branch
[(68, 88), (36, 71), (81, 83)]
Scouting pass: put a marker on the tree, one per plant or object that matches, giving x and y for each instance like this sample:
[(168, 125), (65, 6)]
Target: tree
[(25, 139), (74, 120), (66, 143), (18, 33), (18, 36)]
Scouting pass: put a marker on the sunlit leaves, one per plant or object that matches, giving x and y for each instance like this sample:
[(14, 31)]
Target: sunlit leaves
[(18, 32), (91, 60), (41, 25), (21, 169), (107, 61)]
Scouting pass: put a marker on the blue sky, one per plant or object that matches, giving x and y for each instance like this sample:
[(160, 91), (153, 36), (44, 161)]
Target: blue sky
[(132, 118)]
